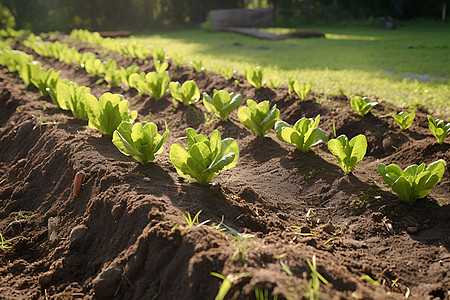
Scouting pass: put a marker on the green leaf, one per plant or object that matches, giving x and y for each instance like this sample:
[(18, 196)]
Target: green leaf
[(362, 105), (302, 89), (348, 153), (258, 118), (255, 77), (404, 190), (204, 158), (187, 93)]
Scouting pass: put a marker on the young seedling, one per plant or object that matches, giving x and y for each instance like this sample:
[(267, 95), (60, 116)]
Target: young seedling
[(304, 134), (187, 93), (189, 220), (176, 59), (348, 153), (72, 97), (161, 67), (204, 159), (404, 119), (156, 84), (227, 283), (126, 73), (227, 72), (415, 181), (44, 80), (255, 77), (198, 66), (291, 82), (302, 89), (362, 105), (141, 140), (274, 82), (259, 118), (439, 129), (106, 113), (312, 289), (222, 103), (113, 77), (158, 53), (3, 244), (263, 295)]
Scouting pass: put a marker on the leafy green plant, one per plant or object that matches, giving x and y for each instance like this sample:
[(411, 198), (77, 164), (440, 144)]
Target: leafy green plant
[(304, 134), (255, 77), (415, 181), (274, 82), (259, 118), (263, 295), (137, 81), (141, 140), (291, 82), (106, 113), (362, 105), (439, 129), (113, 77), (404, 119), (187, 93), (158, 53), (222, 103), (156, 84), (204, 159), (95, 67), (44, 80), (126, 73), (302, 89), (348, 153), (197, 65), (72, 97), (227, 72), (161, 67), (176, 59)]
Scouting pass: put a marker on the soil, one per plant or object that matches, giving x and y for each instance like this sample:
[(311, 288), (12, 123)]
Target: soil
[(124, 236)]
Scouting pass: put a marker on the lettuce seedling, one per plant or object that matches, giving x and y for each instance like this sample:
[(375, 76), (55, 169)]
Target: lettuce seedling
[(176, 59), (72, 97), (198, 66), (415, 181), (255, 77), (274, 82), (126, 73), (439, 129), (227, 72), (141, 140), (404, 119), (222, 103), (204, 159), (291, 82), (304, 134), (348, 153), (161, 67), (44, 80), (362, 105), (137, 81), (158, 53), (156, 84), (187, 93), (259, 118), (113, 77), (302, 89), (95, 67), (108, 112)]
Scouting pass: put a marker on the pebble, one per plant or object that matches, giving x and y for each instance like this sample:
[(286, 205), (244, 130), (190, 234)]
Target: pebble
[(53, 224), (146, 179), (77, 236), (412, 229), (105, 284)]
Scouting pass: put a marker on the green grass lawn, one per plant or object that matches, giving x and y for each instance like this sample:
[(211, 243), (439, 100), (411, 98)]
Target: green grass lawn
[(350, 60)]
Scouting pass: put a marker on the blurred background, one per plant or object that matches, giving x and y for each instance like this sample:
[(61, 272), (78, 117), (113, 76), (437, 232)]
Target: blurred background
[(101, 15)]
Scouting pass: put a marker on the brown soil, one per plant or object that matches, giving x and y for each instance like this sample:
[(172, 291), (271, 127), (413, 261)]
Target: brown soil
[(122, 238)]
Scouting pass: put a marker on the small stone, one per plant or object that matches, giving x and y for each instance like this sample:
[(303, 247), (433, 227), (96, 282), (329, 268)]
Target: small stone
[(328, 228), (412, 229), (106, 283), (45, 278), (53, 224), (77, 236), (146, 179)]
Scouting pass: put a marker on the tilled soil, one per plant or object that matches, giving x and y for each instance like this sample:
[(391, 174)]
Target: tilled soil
[(124, 236)]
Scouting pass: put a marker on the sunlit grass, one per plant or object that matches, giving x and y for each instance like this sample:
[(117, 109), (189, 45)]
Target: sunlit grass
[(366, 61)]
